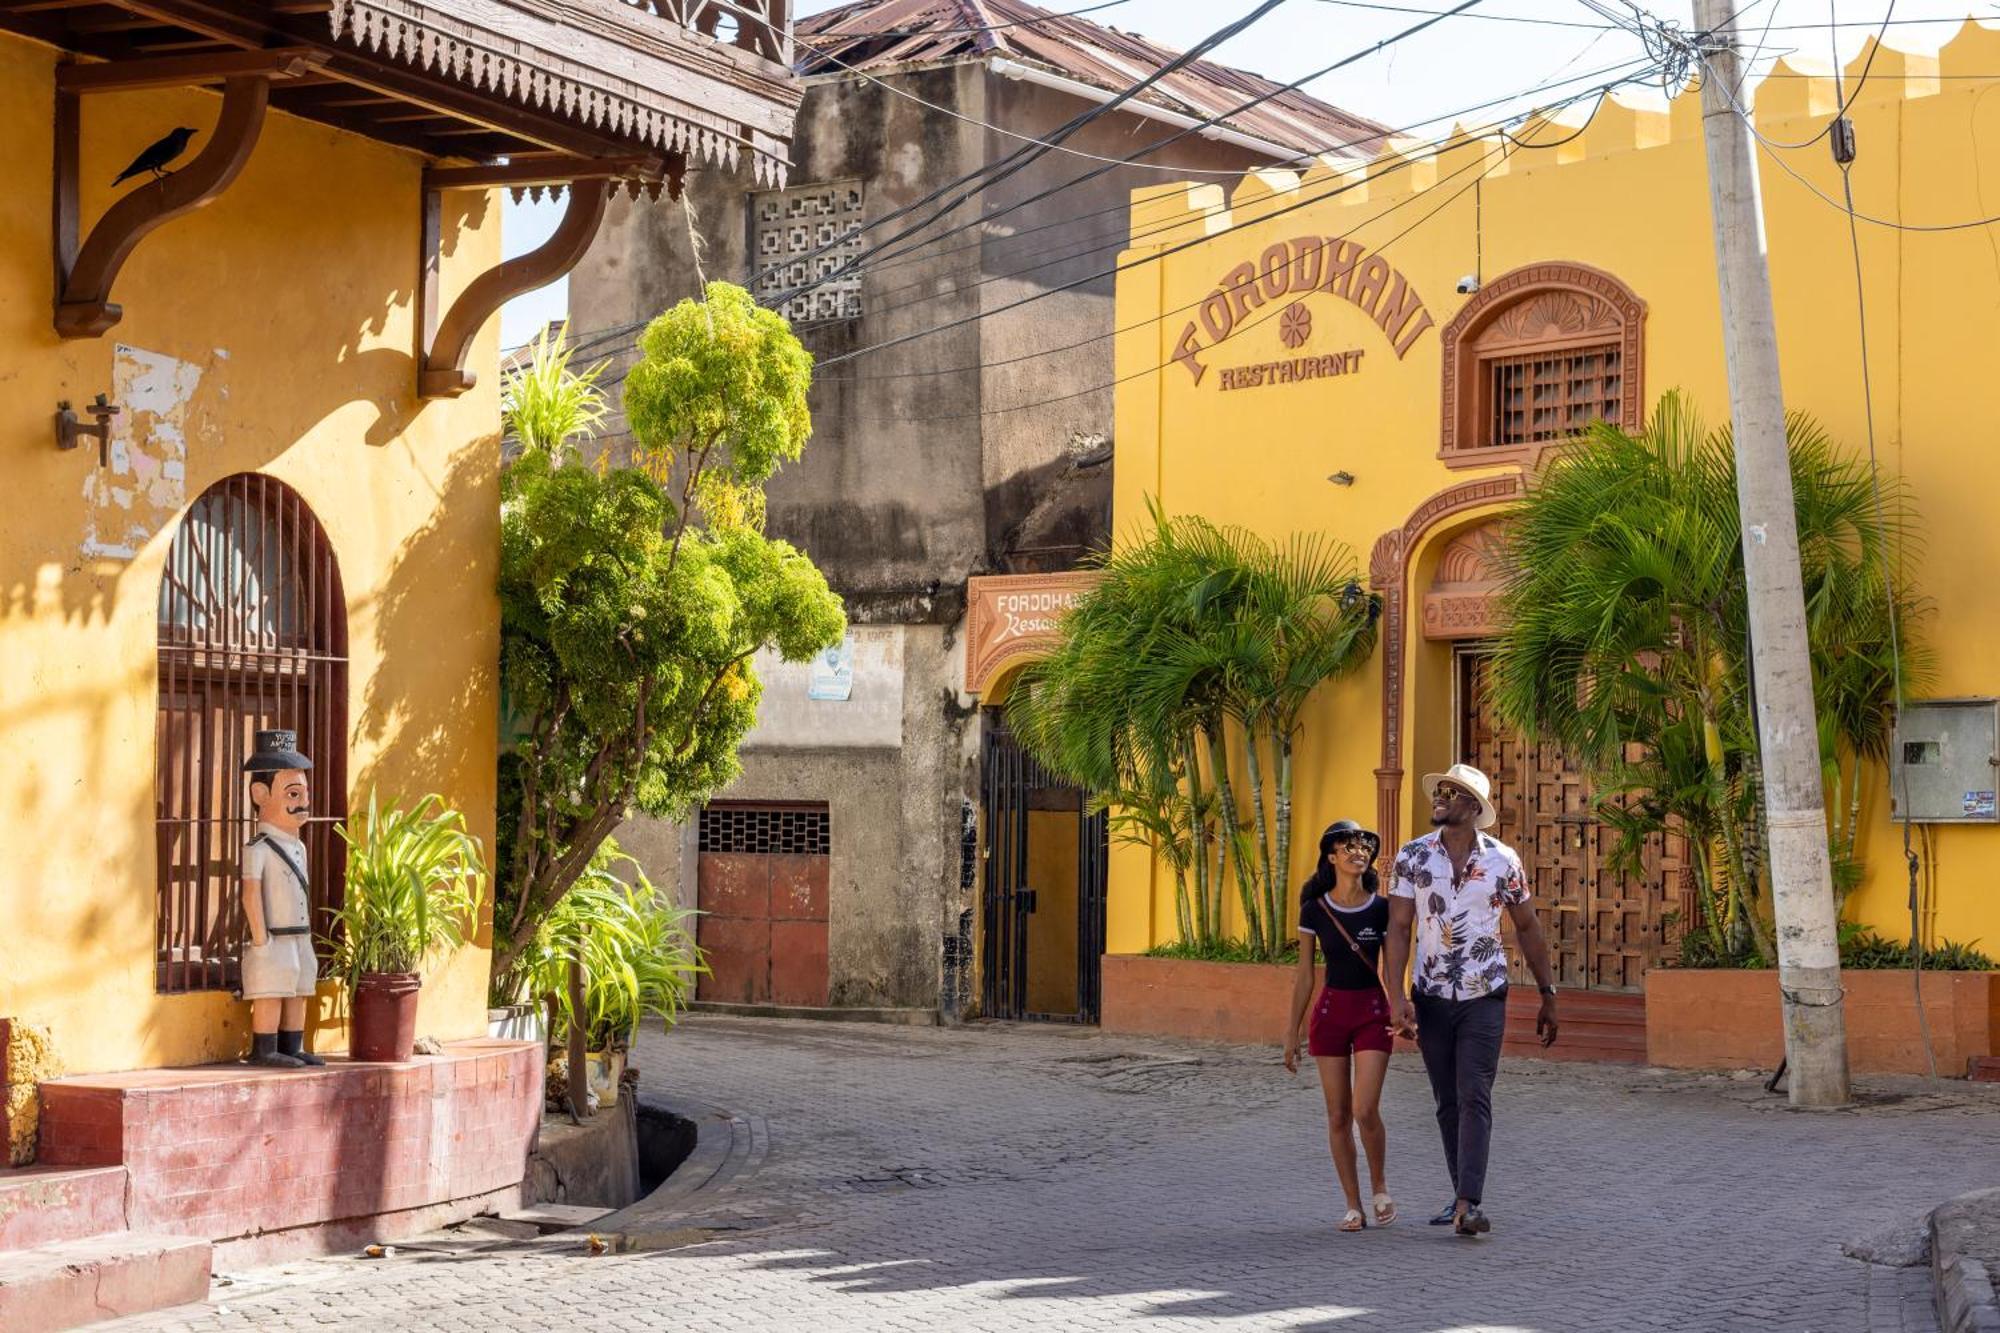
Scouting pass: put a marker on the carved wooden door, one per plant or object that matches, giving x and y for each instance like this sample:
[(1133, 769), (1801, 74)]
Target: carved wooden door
[(1603, 928)]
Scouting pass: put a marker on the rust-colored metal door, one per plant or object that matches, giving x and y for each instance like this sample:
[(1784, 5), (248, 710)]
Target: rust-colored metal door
[(762, 890), (1604, 929)]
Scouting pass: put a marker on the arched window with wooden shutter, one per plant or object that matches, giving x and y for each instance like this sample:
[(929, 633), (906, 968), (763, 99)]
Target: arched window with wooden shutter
[(252, 635), (1537, 356)]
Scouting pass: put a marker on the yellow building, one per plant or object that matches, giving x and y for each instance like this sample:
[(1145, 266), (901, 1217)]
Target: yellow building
[(292, 516), (1383, 354)]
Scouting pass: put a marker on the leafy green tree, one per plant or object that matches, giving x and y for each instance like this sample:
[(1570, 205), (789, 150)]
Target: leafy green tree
[(1627, 641), (629, 617), (1191, 661)]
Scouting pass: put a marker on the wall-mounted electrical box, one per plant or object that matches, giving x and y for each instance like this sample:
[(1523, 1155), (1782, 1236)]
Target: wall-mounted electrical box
[(1946, 761)]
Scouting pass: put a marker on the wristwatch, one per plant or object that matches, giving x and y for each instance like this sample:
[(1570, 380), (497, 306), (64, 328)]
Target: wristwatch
[(1546, 990)]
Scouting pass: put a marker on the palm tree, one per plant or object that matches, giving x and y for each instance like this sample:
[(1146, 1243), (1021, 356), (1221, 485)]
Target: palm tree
[(1627, 639), (1190, 661)]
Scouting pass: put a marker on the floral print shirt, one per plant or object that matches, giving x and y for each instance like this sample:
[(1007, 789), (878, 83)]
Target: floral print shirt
[(1459, 955)]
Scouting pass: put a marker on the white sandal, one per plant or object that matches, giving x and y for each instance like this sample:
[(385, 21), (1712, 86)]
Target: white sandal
[(1385, 1209), (1352, 1220)]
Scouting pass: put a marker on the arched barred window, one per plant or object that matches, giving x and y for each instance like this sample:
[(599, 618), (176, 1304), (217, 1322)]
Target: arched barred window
[(252, 635), (1535, 357)]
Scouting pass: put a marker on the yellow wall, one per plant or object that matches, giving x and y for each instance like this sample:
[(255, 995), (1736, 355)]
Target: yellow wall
[(1629, 196), (288, 303)]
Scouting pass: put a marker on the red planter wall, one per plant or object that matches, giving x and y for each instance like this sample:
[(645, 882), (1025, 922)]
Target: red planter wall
[(1699, 1019)]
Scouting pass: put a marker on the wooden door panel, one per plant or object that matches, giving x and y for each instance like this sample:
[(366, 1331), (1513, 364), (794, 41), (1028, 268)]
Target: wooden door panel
[(735, 884), (738, 952), (798, 888), (798, 962), (1603, 929)]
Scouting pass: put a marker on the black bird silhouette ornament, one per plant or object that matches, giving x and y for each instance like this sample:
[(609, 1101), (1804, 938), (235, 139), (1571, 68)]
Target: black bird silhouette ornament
[(157, 154)]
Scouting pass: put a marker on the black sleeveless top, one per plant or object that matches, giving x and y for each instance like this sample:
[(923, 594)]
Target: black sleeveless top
[(1368, 924)]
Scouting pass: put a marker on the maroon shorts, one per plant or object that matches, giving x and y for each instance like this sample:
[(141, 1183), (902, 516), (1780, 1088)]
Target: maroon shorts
[(1345, 1021)]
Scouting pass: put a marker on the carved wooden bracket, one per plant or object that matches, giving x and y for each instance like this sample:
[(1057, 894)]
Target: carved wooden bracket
[(443, 373), (84, 274)]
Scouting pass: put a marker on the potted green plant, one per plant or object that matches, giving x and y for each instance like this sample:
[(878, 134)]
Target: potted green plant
[(638, 958), (414, 883)]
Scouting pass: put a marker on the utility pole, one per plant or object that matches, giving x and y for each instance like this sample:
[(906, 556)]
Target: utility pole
[(1787, 727)]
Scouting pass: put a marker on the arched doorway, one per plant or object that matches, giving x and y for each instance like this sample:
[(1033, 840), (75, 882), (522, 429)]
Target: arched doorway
[(252, 635), (1041, 861), (1606, 924)]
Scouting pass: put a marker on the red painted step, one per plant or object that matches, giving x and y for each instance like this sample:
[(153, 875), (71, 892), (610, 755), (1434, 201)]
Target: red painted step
[(76, 1282), (40, 1204)]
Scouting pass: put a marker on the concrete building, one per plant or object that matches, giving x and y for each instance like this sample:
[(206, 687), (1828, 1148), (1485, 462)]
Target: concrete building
[(979, 446)]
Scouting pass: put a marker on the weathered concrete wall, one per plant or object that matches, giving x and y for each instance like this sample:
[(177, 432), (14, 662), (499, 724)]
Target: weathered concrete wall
[(925, 467)]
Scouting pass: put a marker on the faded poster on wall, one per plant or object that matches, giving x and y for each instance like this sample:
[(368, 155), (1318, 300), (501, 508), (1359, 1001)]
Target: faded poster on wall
[(143, 485)]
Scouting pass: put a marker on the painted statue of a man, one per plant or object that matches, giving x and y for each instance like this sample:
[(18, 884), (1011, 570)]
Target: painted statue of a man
[(279, 966)]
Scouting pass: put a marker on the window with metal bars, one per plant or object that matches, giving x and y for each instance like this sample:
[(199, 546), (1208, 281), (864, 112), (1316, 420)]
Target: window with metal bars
[(1542, 396), (786, 831), (252, 636)]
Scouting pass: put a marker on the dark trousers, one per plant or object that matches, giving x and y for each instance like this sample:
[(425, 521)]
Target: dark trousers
[(1460, 1040)]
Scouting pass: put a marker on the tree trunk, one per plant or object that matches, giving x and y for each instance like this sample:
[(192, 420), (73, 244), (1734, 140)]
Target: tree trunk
[(1232, 842), (1283, 797), (579, 1066), (1198, 838), (1265, 938)]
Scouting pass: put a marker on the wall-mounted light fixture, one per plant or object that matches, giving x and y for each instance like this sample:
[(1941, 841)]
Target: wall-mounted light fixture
[(1342, 478), (70, 430)]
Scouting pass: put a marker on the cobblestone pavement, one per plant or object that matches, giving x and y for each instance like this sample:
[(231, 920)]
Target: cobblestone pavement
[(1041, 1177)]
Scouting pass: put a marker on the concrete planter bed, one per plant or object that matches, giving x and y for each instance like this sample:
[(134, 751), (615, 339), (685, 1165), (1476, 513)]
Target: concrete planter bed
[(1729, 1019), (1176, 997)]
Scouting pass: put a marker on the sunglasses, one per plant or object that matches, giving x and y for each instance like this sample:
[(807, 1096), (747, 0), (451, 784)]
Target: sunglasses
[(1444, 792)]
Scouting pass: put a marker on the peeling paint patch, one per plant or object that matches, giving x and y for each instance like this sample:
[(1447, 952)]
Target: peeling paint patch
[(145, 483)]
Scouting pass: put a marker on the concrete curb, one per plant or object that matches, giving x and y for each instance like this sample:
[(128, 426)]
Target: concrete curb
[(1962, 1284), (728, 1149), (921, 1018)]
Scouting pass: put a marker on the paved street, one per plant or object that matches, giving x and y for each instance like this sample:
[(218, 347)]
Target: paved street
[(1043, 1177)]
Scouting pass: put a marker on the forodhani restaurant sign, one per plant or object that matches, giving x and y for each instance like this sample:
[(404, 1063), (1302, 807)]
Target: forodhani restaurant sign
[(1296, 269)]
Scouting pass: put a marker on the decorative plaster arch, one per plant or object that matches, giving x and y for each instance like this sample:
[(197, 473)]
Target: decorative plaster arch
[(1389, 574), (1463, 599), (1552, 305)]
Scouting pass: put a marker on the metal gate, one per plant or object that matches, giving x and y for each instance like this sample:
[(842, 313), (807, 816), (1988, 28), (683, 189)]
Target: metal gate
[(761, 884), (1604, 928), (1012, 784)]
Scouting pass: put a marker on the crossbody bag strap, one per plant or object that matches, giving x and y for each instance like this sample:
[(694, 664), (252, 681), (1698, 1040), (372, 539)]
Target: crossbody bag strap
[(1332, 914), (305, 882)]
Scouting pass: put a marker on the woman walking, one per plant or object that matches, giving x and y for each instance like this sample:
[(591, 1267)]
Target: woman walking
[(1350, 1039)]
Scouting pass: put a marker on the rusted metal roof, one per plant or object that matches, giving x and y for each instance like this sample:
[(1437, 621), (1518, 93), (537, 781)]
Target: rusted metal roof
[(877, 35)]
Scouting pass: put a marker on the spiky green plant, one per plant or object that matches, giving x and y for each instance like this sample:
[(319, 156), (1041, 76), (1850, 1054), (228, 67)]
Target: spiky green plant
[(1627, 641), (547, 406), (415, 883)]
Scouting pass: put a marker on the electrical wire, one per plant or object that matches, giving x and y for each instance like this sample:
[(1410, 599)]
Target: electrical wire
[(967, 31), (1910, 858), (589, 338), (1209, 122), (1487, 165), (989, 174), (1599, 90)]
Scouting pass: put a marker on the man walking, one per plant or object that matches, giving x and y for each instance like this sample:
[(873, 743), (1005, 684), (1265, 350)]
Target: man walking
[(1452, 885)]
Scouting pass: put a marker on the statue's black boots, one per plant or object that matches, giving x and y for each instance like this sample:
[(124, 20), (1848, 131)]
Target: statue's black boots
[(294, 1045), (264, 1051)]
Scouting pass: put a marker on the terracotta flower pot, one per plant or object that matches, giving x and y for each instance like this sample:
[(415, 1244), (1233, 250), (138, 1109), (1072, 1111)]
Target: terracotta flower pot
[(384, 1021)]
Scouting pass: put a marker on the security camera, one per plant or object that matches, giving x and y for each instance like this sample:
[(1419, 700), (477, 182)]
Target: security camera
[(1468, 284)]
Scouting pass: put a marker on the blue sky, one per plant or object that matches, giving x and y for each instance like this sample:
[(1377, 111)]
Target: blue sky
[(1457, 63)]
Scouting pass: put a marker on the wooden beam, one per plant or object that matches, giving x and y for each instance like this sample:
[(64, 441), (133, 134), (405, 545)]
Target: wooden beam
[(84, 308), (443, 373), (183, 71), (545, 171), (37, 6)]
